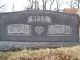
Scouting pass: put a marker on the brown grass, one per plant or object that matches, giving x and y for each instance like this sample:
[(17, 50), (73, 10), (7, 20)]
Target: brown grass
[(63, 53)]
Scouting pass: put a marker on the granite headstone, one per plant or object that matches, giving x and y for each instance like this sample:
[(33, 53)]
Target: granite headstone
[(36, 27)]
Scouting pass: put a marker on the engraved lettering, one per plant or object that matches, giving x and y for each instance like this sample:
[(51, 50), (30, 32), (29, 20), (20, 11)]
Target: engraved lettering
[(39, 19)]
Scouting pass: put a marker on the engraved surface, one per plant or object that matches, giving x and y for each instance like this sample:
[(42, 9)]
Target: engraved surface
[(59, 30), (39, 30), (39, 19), (19, 28), (39, 26)]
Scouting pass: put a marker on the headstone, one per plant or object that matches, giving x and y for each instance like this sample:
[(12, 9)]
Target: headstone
[(39, 26)]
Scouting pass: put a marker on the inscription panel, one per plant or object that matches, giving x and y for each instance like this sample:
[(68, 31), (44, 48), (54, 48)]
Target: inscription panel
[(39, 19), (19, 28), (59, 30)]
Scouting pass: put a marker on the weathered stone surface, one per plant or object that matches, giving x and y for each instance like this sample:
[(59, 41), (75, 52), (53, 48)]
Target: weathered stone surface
[(39, 26)]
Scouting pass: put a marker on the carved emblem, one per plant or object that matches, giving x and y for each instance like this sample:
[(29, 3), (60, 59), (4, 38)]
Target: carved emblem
[(39, 29)]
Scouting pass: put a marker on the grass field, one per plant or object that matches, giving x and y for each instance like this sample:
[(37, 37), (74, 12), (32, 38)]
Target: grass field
[(63, 53)]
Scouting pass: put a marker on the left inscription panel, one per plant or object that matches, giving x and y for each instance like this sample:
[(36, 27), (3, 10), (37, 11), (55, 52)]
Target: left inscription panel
[(23, 29)]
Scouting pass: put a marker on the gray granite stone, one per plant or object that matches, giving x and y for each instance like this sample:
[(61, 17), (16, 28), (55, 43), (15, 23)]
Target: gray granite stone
[(38, 29)]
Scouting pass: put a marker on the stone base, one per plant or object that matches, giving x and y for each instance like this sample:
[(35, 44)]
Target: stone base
[(6, 45)]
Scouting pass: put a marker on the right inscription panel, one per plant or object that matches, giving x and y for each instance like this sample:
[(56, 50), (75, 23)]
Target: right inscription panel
[(59, 30)]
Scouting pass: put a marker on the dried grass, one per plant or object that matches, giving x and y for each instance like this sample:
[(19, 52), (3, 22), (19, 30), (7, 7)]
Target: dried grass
[(63, 53)]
